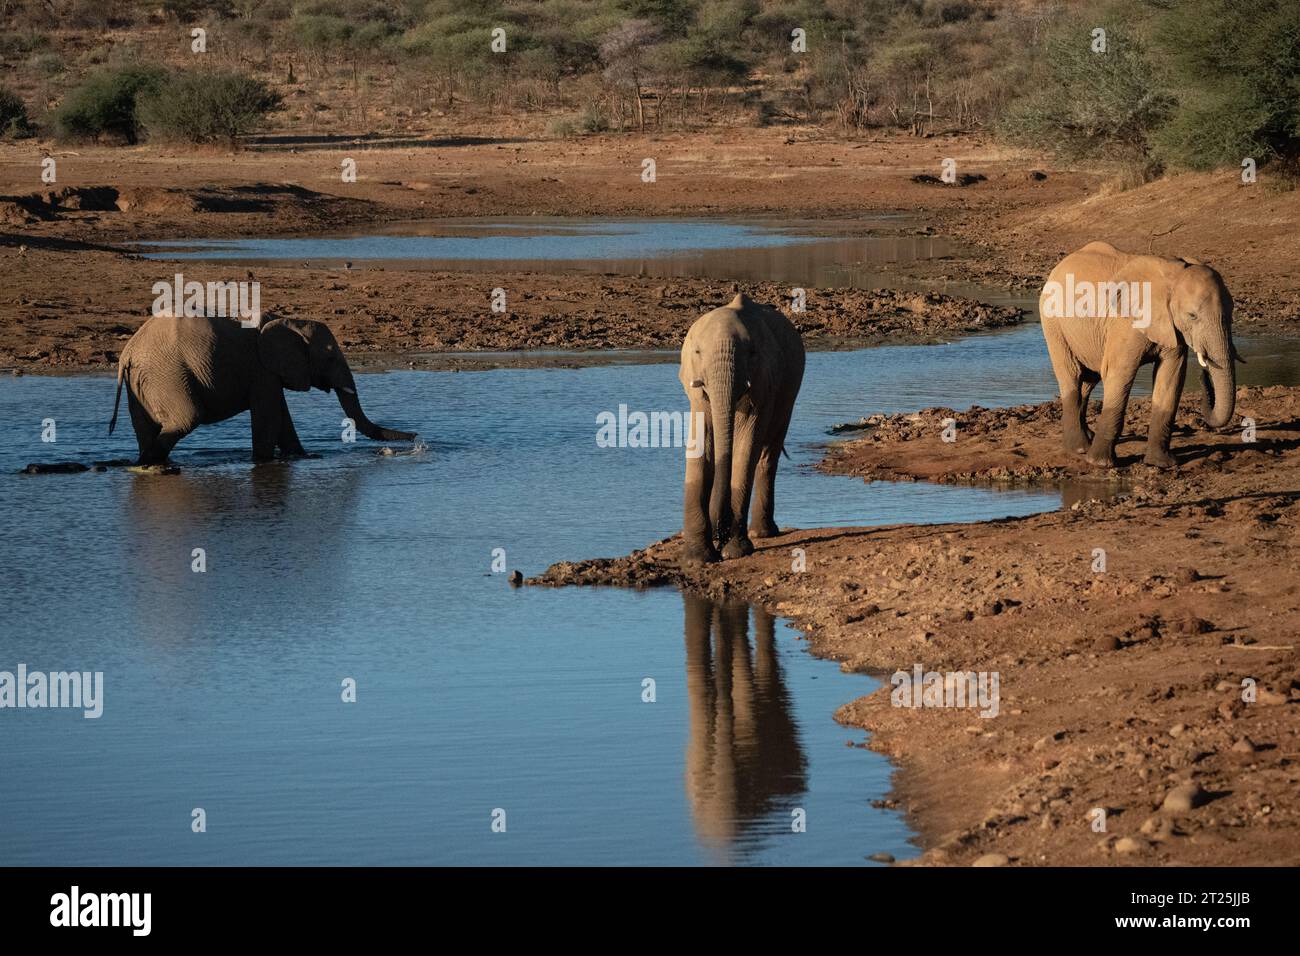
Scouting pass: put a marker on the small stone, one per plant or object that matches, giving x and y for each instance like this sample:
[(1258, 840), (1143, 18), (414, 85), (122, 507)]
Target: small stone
[(1244, 746), (1157, 827), (1127, 845), (516, 578), (881, 858), (1190, 625), (1177, 730), (1183, 799), (1268, 697), (992, 859)]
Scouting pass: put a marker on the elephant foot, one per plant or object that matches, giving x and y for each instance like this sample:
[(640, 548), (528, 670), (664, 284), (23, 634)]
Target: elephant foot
[(1078, 444), (737, 548), (1101, 461), (768, 530), (700, 554), (1160, 459)]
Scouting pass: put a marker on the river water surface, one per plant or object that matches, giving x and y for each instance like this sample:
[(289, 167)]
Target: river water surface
[(222, 689)]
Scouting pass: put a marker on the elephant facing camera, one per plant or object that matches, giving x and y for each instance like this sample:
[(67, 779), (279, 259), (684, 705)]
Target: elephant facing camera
[(741, 368)]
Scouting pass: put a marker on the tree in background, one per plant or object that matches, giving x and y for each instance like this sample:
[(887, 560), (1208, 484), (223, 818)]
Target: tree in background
[(1234, 70), (1086, 103), (105, 104)]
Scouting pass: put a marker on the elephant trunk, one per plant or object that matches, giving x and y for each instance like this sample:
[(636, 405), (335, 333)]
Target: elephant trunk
[(722, 403), (1218, 381), (346, 388)]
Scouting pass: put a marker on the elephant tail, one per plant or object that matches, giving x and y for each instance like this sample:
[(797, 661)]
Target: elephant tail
[(121, 371)]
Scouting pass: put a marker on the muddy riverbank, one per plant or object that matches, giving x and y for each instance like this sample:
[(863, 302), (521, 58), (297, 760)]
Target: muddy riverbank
[(1123, 633), (58, 322), (73, 292)]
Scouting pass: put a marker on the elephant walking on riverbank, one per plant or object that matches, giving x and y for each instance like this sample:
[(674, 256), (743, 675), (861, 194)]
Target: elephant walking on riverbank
[(741, 367), (1105, 313), (185, 371)]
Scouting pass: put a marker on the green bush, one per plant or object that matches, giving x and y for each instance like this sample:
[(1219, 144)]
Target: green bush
[(13, 115), (207, 107), (106, 103), (1236, 72), (1089, 104)]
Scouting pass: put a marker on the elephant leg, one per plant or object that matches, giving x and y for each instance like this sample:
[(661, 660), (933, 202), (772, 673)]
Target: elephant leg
[(167, 440), (1070, 380), (1117, 376), (697, 533), (744, 451), (287, 438), (763, 523), (265, 410), (146, 432), (1166, 391), (1089, 382)]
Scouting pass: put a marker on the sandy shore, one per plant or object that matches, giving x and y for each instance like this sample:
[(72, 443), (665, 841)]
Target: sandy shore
[(1120, 689)]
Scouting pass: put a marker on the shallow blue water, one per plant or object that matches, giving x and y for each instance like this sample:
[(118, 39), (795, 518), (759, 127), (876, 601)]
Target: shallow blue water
[(821, 254), (223, 688)]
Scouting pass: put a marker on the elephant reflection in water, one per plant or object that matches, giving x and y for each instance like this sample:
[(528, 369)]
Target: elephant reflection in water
[(744, 753), (246, 521)]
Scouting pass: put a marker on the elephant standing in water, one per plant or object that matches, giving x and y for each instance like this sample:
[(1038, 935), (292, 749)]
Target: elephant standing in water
[(185, 371), (741, 367), (1105, 313)]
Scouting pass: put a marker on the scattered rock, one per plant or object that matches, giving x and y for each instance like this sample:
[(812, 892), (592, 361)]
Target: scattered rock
[(992, 859), (1128, 845), (1184, 798)]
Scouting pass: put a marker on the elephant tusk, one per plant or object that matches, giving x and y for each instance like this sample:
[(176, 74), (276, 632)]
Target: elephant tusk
[(346, 390), (697, 383), (1201, 358)]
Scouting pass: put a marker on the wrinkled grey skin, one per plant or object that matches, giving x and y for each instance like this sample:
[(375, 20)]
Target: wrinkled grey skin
[(741, 367), (1190, 308), (183, 372)]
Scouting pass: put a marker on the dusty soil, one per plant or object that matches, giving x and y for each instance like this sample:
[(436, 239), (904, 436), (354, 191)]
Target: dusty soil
[(1118, 687), (72, 293), (52, 320)]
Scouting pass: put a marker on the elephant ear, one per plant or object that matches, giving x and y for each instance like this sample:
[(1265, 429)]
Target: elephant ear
[(1154, 288), (283, 352)]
